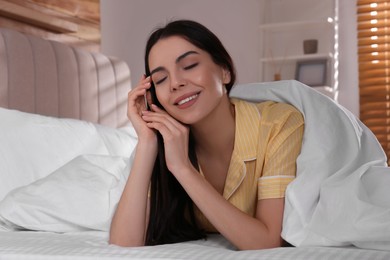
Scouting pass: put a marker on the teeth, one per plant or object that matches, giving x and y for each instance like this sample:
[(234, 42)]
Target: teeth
[(181, 102)]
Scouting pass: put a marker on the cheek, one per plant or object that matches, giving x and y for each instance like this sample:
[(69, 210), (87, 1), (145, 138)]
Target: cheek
[(212, 79), (218, 86), (162, 96)]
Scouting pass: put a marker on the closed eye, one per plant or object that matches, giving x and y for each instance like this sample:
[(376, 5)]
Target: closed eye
[(191, 66), (160, 81)]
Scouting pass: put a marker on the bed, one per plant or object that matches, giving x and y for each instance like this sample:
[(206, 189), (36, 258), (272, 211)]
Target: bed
[(66, 149)]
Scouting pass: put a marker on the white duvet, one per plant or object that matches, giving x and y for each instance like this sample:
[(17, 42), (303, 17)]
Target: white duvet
[(340, 197), (341, 194)]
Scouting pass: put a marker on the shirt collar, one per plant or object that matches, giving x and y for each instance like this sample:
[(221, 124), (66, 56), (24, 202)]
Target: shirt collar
[(245, 144), (247, 129)]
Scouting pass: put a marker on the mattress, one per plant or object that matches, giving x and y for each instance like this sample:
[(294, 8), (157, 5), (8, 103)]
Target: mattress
[(28, 245)]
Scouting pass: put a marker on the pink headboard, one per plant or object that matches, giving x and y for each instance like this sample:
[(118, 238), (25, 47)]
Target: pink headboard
[(50, 78)]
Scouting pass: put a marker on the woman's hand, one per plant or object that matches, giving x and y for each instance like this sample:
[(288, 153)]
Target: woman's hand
[(175, 136), (136, 106), (132, 213)]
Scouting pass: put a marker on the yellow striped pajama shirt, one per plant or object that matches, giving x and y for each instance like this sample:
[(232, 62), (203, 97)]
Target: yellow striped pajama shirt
[(268, 139)]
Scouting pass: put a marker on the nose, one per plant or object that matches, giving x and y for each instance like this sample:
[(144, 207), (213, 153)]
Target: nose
[(177, 81)]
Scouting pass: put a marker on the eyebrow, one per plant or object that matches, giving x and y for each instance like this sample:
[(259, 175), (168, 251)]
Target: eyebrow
[(178, 59)]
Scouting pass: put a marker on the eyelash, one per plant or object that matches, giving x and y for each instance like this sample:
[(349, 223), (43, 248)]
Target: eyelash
[(191, 66), (160, 81), (185, 68)]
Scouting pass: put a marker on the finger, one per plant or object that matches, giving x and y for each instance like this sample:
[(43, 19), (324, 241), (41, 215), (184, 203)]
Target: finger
[(144, 83), (144, 80), (136, 103), (134, 94), (159, 111), (164, 119), (155, 108), (168, 132), (156, 113), (140, 89)]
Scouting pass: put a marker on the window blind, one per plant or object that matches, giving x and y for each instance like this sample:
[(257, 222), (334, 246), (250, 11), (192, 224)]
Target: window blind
[(374, 67)]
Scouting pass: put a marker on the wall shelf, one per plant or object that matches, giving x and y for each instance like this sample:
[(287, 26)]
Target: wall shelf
[(285, 26), (295, 58)]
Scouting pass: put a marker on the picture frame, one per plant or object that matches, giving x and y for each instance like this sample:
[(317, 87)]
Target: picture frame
[(312, 72)]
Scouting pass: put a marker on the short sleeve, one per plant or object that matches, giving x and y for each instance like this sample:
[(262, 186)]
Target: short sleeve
[(282, 128)]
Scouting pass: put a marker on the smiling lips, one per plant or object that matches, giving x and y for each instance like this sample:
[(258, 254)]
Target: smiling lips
[(186, 102), (181, 102)]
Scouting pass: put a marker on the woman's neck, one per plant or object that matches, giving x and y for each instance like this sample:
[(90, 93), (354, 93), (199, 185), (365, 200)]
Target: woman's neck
[(214, 135)]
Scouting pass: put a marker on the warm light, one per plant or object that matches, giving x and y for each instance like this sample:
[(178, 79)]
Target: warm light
[(330, 19), (373, 5), (374, 37), (374, 53), (374, 21), (374, 29), (374, 45), (375, 61)]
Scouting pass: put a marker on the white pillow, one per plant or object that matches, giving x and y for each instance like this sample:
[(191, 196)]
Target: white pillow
[(81, 195), (33, 146), (121, 141)]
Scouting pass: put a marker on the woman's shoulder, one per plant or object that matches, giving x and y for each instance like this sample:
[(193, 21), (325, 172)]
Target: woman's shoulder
[(270, 109), (277, 108)]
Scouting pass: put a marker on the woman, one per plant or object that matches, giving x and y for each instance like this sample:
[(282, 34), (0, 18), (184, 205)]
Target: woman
[(204, 162)]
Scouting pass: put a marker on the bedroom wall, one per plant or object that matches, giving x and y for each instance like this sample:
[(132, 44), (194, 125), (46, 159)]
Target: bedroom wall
[(126, 24), (348, 67)]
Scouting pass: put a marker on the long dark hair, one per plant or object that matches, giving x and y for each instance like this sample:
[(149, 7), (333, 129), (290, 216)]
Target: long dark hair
[(172, 217)]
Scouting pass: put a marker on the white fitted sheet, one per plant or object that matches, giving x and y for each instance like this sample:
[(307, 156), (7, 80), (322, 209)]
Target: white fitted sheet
[(29, 245)]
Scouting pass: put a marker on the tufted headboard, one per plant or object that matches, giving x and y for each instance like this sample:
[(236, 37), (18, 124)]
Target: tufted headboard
[(51, 78)]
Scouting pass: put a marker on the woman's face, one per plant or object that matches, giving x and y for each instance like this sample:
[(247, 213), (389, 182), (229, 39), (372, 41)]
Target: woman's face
[(189, 85)]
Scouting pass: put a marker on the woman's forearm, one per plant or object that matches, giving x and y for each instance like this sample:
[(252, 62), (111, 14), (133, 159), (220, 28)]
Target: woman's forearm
[(129, 222), (242, 230)]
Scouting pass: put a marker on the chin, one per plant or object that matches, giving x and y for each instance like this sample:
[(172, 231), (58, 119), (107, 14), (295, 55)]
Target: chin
[(187, 120)]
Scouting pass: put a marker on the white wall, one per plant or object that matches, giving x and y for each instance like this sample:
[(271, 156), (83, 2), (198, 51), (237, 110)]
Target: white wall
[(126, 25), (348, 67)]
